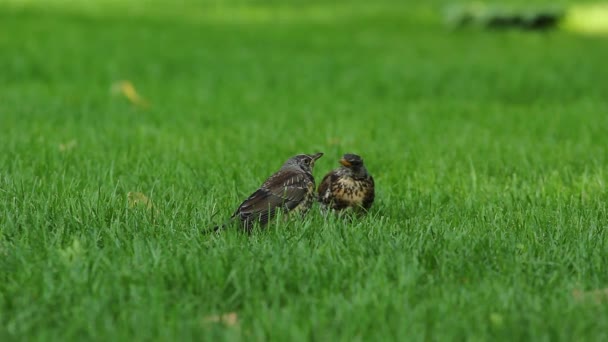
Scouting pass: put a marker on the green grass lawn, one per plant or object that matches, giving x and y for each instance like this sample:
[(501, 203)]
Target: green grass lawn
[(488, 150)]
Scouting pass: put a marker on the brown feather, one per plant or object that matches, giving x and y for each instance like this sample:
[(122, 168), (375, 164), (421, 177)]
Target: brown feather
[(282, 191), (341, 189)]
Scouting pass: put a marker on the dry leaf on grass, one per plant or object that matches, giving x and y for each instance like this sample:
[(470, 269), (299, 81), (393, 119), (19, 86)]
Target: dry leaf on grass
[(596, 296), (73, 252), (127, 89), (229, 319), (496, 319), (138, 199), (334, 141), (68, 146)]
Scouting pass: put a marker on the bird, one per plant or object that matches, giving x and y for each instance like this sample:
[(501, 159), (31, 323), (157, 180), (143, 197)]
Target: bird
[(347, 187), (290, 190)]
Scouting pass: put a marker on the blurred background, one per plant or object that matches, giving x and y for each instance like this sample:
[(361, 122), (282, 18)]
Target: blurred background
[(223, 83)]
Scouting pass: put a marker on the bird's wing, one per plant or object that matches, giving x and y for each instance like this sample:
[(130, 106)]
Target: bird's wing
[(285, 189), (370, 195), (325, 184)]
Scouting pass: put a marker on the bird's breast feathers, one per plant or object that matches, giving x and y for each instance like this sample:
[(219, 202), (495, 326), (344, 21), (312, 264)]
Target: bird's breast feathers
[(350, 190)]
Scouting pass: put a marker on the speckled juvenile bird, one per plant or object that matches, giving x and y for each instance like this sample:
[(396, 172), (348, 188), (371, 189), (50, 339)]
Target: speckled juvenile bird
[(349, 186), (290, 190)]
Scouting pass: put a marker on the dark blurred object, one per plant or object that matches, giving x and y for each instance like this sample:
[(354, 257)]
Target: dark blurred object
[(497, 18)]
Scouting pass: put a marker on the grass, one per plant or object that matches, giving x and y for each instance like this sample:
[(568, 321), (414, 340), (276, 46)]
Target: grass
[(488, 150)]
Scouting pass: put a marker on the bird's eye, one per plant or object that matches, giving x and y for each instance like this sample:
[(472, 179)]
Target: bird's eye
[(307, 161)]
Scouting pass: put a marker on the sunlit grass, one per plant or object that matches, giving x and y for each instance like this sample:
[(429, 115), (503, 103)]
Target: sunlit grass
[(590, 19)]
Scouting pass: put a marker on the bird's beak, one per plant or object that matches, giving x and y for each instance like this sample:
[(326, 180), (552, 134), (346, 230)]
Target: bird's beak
[(317, 156), (345, 162)]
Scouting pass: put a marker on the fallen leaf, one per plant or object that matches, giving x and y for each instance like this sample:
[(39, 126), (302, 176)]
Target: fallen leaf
[(127, 89), (229, 319), (139, 199), (496, 319), (68, 146), (333, 141), (73, 252), (597, 296)]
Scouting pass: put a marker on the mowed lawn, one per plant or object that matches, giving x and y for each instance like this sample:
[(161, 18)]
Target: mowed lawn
[(488, 149)]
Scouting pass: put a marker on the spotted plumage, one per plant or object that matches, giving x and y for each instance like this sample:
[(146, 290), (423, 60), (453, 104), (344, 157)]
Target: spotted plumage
[(347, 187), (289, 190)]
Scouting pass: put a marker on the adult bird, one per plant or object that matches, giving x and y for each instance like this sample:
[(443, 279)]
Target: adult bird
[(347, 187), (289, 190)]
